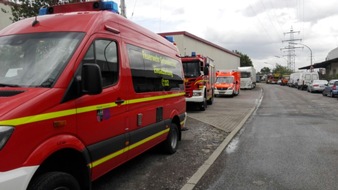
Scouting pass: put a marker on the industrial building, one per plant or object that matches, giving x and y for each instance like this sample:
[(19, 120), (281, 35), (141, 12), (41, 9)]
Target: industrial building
[(330, 64), (187, 43)]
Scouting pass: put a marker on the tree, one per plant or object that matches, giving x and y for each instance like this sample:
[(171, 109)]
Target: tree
[(245, 61), (27, 8), (265, 70), (281, 70)]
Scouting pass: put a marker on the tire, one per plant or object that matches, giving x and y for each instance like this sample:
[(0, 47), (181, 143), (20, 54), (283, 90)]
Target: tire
[(237, 93), (54, 180), (171, 143), (211, 100), (204, 104), (330, 94)]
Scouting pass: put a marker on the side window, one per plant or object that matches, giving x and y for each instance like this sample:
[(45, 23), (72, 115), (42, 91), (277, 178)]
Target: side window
[(104, 53), (154, 72)]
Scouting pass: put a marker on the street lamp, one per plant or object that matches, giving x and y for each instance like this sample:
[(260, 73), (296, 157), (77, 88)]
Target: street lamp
[(311, 67), (283, 58)]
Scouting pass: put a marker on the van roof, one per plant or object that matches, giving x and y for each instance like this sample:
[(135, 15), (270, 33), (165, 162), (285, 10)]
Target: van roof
[(85, 21)]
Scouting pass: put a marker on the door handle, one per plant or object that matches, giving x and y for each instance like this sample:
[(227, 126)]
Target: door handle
[(119, 101)]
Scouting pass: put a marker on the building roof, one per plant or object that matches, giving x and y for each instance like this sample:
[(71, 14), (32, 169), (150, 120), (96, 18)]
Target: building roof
[(332, 57), (323, 64), (200, 40)]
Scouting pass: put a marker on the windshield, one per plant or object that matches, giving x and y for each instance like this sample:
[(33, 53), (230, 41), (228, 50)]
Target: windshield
[(245, 75), (224, 79), (191, 69), (35, 59)]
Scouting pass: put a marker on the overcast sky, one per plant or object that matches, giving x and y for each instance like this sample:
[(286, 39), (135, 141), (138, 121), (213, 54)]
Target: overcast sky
[(254, 27)]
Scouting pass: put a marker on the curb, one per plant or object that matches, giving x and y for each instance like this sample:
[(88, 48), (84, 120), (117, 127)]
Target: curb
[(206, 165)]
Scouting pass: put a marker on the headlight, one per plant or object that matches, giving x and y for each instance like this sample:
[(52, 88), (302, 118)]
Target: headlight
[(5, 133), (197, 94)]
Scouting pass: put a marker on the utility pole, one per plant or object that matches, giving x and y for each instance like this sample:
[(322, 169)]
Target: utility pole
[(123, 8), (290, 48)]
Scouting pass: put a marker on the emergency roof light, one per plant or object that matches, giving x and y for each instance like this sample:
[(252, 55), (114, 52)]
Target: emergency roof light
[(85, 6)]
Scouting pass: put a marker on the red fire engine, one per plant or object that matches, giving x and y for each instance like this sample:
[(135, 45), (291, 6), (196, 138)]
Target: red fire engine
[(82, 91), (199, 72)]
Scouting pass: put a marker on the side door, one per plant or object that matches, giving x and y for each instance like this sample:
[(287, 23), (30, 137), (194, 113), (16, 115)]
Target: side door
[(102, 119)]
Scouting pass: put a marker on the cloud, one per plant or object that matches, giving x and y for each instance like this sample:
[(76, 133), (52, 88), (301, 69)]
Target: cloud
[(254, 27)]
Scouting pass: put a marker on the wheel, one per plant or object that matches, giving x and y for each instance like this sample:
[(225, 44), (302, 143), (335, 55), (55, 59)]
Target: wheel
[(236, 93), (54, 180), (171, 143), (211, 100), (204, 104), (330, 94)]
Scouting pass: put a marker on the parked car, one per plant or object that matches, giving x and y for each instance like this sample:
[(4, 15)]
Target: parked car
[(317, 86), (331, 89)]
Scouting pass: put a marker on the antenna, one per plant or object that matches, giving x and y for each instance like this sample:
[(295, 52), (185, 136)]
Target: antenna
[(35, 22)]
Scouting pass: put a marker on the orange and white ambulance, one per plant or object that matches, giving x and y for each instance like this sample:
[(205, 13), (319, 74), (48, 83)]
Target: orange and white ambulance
[(227, 83), (83, 90)]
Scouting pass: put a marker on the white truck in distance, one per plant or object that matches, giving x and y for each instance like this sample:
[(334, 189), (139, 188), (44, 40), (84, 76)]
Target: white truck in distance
[(248, 77)]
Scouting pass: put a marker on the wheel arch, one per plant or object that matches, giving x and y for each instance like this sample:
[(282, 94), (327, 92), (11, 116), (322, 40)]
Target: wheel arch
[(176, 120), (64, 153)]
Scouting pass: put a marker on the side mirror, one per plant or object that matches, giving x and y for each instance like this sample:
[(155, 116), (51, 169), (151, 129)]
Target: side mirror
[(206, 71), (91, 79)]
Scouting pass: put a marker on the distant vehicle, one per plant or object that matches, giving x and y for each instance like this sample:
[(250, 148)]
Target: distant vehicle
[(317, 86), (248, 77), (285, 80), (293, 80), (331, 89), (305, 79), (272, 79), (199, 78), (227, 83)]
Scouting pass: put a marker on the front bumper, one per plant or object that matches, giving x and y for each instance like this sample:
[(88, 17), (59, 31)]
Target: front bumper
[(198, 97), (17, 179), (223, 92)]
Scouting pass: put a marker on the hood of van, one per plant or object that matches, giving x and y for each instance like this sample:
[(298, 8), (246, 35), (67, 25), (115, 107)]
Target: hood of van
[(22, 102)]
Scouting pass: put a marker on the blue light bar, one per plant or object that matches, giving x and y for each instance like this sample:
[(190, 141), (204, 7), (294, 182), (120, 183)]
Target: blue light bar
[(85, 6), (43, 11), (110, 6)]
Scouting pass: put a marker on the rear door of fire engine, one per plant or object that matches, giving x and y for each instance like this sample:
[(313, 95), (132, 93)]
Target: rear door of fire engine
[(102, 119)]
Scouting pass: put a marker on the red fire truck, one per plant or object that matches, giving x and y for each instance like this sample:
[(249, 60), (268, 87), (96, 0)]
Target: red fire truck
[(199, 72), (82, 91)]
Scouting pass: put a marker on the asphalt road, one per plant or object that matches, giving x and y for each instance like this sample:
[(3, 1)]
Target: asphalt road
[(290, 142)]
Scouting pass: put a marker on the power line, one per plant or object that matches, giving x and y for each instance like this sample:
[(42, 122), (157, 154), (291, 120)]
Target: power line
[(290, 48)]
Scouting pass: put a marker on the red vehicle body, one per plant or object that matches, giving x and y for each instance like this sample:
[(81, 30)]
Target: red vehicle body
[(75, 100), (272, 79), (199, 73), (227, 83)]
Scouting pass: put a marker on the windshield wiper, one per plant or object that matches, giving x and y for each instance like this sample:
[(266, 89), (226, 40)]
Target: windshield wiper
[(48, 83), (8, 85)]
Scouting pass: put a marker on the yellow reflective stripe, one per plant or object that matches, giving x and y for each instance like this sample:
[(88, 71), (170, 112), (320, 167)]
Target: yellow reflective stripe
[(139, 100), (95, 107), (201, 81), (36, 118), (126, 149), (57, 114)]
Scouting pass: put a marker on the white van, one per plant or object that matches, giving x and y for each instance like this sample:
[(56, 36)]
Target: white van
[(305, 79)]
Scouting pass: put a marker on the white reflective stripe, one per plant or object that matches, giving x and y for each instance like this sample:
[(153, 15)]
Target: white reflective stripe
[(18, 178)]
